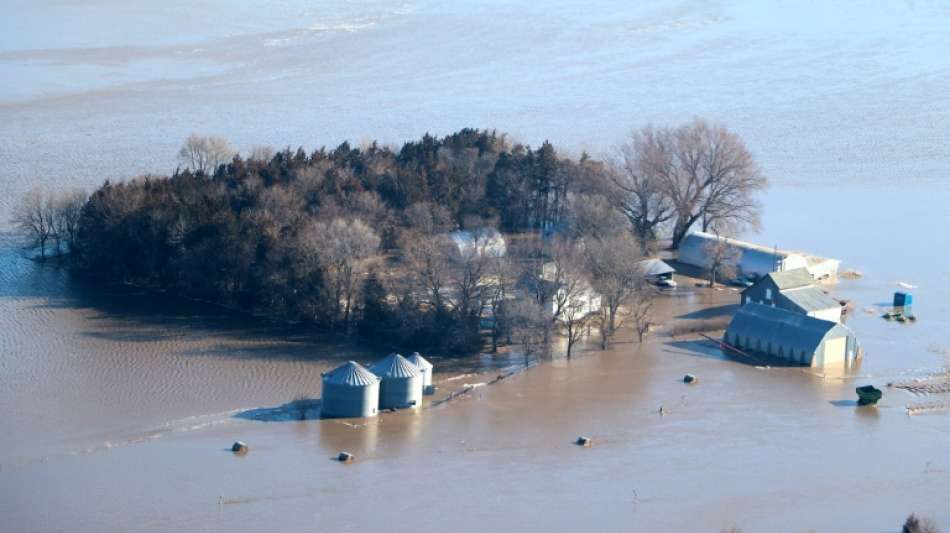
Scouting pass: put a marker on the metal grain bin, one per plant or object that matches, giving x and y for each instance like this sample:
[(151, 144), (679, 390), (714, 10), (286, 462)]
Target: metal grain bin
[(400, 382), (424, 366), (350, 391)]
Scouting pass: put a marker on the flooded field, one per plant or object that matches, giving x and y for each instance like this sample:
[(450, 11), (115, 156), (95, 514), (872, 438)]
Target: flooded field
[(118, 407)]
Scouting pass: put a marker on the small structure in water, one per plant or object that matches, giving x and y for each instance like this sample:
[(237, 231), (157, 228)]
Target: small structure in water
[(425, 367), (350, 391), (868, 394), (239, 448), (794, 337), (400, 382)]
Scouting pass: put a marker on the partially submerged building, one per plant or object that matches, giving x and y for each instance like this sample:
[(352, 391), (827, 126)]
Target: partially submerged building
[(754, 260), (400, 382), (350, 391), (655, 270), (793, 337), (794, 290)]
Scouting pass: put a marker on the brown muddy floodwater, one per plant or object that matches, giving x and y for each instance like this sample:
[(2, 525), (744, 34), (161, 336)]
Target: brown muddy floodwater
[(118, 412)]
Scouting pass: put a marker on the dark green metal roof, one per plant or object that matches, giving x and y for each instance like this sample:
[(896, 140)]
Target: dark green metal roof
[(784, 328)]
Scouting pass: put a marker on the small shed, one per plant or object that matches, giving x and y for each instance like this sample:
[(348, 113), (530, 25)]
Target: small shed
[(400, 382), (794, 290), (794, 337), (424, 366), (656, 269), (350, 391)]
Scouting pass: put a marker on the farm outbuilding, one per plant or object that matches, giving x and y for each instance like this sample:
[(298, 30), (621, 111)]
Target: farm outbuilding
[(794, 337), (400, 382), (755, 261), (794, 290), (350, 391), (656, 269), (424, 366)]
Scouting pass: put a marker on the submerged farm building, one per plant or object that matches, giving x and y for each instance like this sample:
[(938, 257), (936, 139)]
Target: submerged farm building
[(400, 382), (755, 260), (656, 269), (794, 337), (793, 290), (350, 391)]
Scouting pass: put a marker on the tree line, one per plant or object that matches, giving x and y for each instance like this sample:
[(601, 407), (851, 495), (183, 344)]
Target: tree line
[(357, 239)]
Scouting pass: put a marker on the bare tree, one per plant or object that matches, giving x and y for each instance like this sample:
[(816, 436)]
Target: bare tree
[(641, 171), (35, 217), (703, 172), (67, 211), (428, 218), (618, 277), (205, 154), (344, 249), (723, 259), (426, 259), (501, 274), (575, 319), (528, 320)]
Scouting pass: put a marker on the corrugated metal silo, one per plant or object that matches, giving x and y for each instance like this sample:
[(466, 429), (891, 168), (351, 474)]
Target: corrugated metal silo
[(400, 382), (350, 391), (424, 366)]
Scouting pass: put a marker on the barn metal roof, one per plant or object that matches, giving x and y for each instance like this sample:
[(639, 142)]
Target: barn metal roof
[(352, 374), (785, 328), (655, 267), (792, 279), (811, 299), (395, 366), (417, 359)]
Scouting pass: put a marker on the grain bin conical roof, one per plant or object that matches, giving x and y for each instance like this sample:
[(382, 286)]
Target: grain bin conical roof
[(417, 359), (350, 373), (395, 366)]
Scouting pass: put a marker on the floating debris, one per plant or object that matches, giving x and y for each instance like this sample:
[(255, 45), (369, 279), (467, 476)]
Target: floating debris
[(851, 274), (585, 442), (927, 407), (936, 385), (346, 457), (690, 379), (868, 395), (239, 448)]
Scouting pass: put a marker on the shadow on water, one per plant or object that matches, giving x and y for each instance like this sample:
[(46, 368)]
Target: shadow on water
[(704, 348), (126, 314), (295, 411), (711, 312)]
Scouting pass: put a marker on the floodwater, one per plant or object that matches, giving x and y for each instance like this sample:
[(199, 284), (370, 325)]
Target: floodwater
[(118, 408)]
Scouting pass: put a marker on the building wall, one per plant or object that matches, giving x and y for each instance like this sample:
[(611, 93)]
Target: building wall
[(832, 314)]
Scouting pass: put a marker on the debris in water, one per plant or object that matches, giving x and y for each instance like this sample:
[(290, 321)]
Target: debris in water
[(927, 407), (239, 448), (345, 457), (904, 285), (586, 442), (689, 378), (851, 274), (868, 395)]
